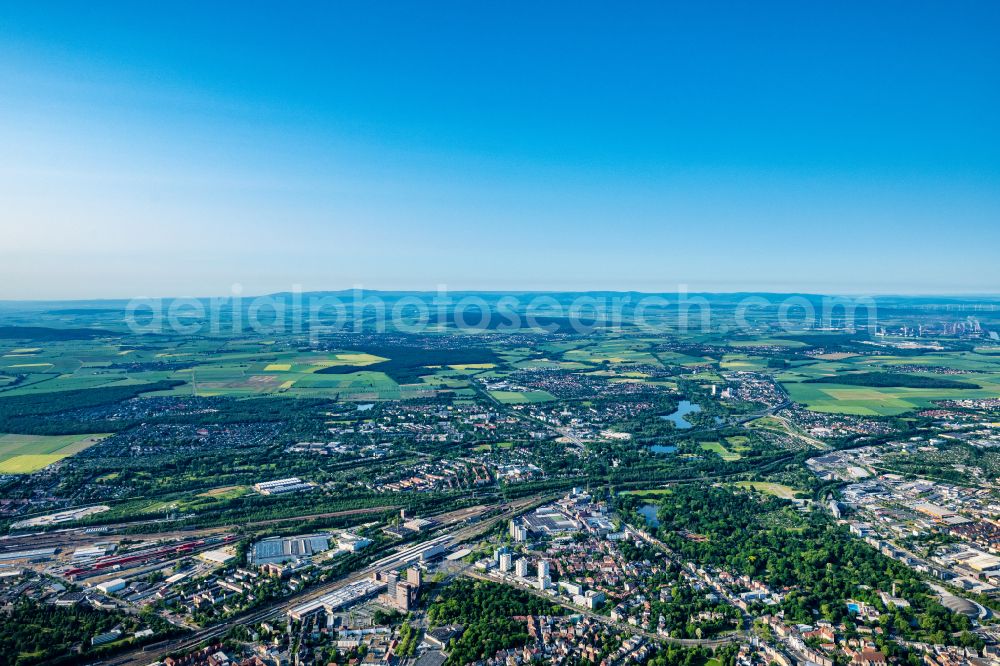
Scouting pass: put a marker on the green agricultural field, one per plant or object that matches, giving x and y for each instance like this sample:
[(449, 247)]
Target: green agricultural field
[(362, 385), (705, 377), (614, 351), (472, 368), (624, 374), (82, 380), (967, 361), (768, 342), (519, 397), (348, 358), (64, 366), (743, 362), (289, 374), (441, 380), (883, 401), (23, 454), (549, 364), (674, 358)]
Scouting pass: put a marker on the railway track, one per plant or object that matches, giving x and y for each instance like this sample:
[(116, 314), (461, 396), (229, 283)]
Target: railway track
[(144, 657)]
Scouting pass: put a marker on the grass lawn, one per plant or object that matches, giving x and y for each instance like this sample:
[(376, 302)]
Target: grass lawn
[(652, 492), (776, 489), (718, 448), (225, 492)]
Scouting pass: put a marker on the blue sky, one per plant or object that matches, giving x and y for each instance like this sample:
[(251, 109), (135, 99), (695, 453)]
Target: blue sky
[(811, 146)]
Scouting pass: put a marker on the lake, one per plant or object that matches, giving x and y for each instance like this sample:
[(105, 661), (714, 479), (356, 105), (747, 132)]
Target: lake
[(648, 511), (683, 409), (663, 448)]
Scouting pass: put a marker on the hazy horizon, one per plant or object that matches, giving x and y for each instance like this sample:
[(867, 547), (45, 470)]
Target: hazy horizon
[(248, 296)]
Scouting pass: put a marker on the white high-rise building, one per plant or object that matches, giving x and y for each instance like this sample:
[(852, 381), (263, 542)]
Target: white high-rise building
[(543, 569), (521, 567), (505, 562)]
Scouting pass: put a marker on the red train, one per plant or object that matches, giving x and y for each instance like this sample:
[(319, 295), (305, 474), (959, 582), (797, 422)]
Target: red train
[(145, 555)]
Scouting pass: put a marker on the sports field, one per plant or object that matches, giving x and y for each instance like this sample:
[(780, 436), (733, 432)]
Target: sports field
[(23, 454)]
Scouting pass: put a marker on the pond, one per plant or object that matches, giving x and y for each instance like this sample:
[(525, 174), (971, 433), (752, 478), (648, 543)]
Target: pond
[(648, 511), (663, 448), (683, 409)]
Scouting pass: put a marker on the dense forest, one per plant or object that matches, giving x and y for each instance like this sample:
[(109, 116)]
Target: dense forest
[(408, 364)]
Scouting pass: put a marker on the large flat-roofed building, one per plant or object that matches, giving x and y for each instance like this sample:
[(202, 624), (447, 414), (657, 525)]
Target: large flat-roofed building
[(281, 486), (276, 550), (549, 520), (330, 603), (934, 511), (111, 586), (37, 553), (978, 561), (352, 542), (419, 524)]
